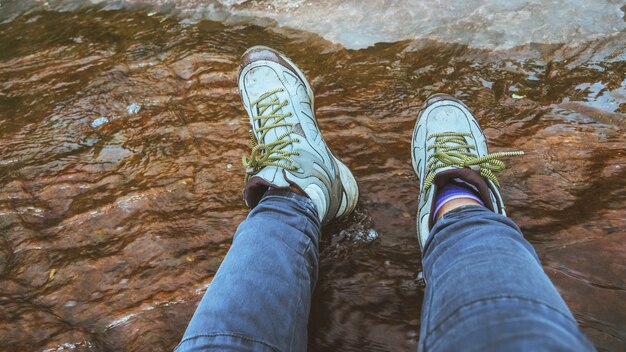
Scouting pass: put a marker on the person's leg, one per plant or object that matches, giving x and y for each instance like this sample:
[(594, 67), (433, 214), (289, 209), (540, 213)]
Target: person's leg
[(485, 287), (259, 299), (486, 290)]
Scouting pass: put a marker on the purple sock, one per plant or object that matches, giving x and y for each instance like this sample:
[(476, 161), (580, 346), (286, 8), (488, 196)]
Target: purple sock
[(455, 190)]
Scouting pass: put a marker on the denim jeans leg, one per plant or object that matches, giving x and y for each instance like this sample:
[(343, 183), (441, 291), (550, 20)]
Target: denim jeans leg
[(486, 290), (260, 297)]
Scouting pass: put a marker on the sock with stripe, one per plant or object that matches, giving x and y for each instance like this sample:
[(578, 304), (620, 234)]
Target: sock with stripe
[(456, 189)]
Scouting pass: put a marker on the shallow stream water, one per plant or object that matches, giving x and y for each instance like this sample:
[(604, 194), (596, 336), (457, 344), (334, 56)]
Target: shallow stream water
[(122, 131)]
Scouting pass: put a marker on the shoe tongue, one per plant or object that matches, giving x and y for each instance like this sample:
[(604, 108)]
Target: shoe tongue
[(258, 184)]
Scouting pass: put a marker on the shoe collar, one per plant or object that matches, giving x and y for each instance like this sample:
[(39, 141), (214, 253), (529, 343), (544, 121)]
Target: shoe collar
[(468, 175)]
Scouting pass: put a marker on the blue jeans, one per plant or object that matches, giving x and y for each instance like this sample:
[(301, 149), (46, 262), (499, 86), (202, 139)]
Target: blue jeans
[(485, 290)]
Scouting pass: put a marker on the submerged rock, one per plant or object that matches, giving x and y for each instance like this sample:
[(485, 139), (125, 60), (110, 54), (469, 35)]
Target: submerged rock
[(133, 221), (99, 122)]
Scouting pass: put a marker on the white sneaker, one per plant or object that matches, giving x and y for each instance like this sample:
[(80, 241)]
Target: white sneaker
[(448, 144), (288, 148)]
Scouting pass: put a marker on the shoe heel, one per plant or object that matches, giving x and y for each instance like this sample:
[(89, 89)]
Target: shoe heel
[(351, 188)]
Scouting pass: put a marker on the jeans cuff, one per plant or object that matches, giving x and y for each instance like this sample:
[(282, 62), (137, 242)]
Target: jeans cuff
[(455, 214), (462, 211), (301, 200)]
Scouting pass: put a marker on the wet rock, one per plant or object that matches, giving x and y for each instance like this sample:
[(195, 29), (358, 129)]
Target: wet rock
[(99, 122), (114, 230), (133, 108)]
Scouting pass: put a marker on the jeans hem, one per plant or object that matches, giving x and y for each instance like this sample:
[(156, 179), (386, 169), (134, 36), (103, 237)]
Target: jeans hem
[(303, 201), (454, 214)]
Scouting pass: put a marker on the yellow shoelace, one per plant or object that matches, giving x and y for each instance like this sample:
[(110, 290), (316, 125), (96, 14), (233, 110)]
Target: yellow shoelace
[(270, 154), (451, 149)]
